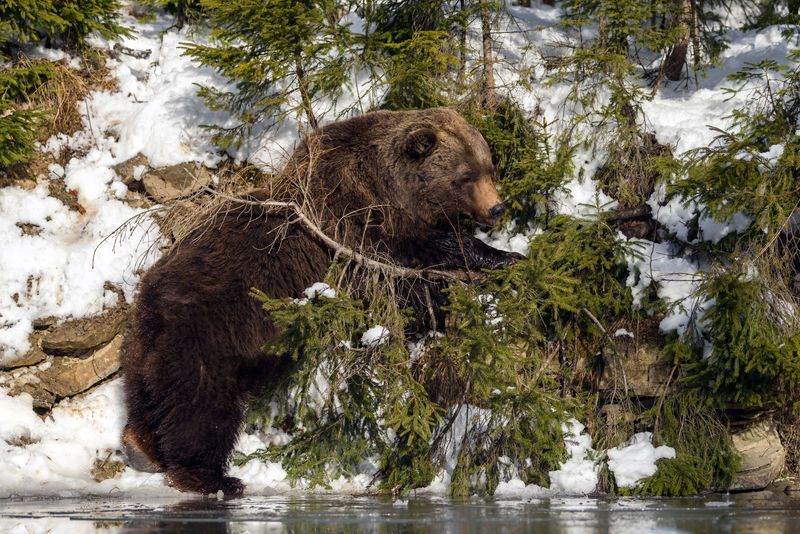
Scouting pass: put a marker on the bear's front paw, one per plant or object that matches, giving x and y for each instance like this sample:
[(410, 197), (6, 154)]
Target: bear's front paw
[(509, 258)]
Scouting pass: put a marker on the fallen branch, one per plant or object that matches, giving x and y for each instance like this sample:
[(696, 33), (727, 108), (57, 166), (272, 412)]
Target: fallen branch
[(627, 214), (338, 248), (138, 54)]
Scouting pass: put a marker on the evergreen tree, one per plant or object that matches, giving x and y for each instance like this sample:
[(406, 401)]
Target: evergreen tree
[(83, 17), (19, 124), (19, 130), (185, 11), (283, 56), (286, 58), (22, 22), (752, 168), (67, 23), (744, 348), (63, 22)]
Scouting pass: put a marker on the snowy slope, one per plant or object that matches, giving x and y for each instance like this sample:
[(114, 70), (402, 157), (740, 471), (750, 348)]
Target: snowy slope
[(156, 112)]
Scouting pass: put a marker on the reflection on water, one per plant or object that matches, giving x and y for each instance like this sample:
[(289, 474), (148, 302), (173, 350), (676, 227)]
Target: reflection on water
[(763, 513)]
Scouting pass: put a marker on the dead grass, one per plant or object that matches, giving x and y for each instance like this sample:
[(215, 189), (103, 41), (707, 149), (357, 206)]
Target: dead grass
[(789, 430), (105, 468), (62, 96)]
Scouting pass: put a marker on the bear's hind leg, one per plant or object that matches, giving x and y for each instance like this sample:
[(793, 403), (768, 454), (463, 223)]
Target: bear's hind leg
[(198, 482), (197, 434)]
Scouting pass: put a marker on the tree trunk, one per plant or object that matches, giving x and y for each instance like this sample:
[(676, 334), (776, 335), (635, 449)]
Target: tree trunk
[(305, 98), (181, 14), (462, 63), (676, 59), (489, 94)]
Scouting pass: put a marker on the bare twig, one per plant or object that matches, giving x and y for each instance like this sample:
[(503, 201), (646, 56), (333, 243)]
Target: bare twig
[(339, 248), (613, 345)]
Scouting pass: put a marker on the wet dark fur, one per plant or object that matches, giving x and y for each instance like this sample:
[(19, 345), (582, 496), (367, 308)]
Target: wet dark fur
[(192, 352)]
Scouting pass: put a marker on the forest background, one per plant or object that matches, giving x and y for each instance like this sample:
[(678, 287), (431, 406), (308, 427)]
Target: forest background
[(525, 347)]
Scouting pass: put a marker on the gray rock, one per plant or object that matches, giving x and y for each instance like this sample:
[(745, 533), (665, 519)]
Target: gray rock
[(125, 170), (81, 335), (32, 357), (170, 183), (763, 456), (70, 376), (638, 366)]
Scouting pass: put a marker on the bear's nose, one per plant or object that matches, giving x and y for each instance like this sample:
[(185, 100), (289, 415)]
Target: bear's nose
[(497, 210)]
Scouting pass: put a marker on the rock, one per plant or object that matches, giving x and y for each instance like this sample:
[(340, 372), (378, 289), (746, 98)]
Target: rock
[(131, 169), (105, 468), (762, 454), (137, 200), (170, 183), (81, 335), (41, 323), (29, 228), (42, 399), (24, 183), (640, 365), (616, 424), (32, 357), (69, 376), (789, 486), (26, 380)]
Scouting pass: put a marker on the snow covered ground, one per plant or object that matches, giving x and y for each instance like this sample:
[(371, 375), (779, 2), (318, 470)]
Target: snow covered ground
[(64, 270)]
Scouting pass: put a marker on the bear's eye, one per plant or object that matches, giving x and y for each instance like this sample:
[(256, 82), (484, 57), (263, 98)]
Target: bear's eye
[(462, 179)]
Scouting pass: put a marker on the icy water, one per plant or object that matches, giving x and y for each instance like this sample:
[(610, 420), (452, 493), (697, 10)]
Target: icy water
[(763, 512)]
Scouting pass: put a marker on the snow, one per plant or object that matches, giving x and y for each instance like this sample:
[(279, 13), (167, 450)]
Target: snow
[(64, 268), (375, 336), (62, 271), (319, 289), (55, 456), (578, 475), (636, 459)]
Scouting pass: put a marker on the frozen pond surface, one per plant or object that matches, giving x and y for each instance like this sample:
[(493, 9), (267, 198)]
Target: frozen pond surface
[(763, 512)]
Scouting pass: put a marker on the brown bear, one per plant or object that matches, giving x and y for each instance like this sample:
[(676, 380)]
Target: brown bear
[(389, 185)]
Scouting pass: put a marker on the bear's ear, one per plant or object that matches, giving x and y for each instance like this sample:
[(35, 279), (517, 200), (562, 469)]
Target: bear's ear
[(421, 142)]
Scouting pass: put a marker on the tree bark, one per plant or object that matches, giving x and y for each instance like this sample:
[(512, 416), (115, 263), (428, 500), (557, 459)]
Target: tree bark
[(489, 94), (462, 63), (676, 59), (305, 98)]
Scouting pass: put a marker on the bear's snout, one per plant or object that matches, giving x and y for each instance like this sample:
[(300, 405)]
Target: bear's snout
[(487, 206), (496, 211)]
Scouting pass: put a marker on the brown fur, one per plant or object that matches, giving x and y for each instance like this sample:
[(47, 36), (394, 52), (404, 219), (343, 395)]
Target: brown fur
[(384, 183)]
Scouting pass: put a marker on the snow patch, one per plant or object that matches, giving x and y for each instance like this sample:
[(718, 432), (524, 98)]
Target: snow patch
[(636, 459), (375, 336)]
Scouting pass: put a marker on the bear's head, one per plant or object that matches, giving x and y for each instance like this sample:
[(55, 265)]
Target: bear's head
[(428, 167), (448, 165)]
